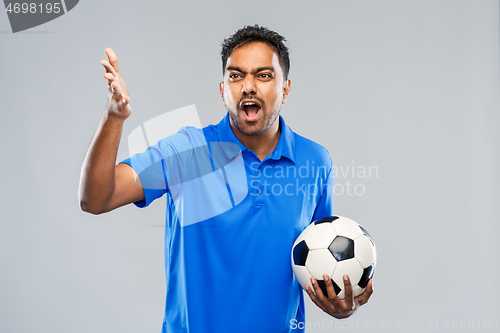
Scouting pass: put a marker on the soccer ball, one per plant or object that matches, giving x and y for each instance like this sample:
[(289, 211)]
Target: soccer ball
[(334, 245)]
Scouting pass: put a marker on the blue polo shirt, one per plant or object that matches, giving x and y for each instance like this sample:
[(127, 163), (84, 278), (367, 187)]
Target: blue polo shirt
[(230, 224)]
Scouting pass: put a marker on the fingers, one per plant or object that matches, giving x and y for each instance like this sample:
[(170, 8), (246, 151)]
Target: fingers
[(349, 298), (333, 305), (109, 77), (108, 67), (113, 60), (365, 296), (110, 74), (313, 297), (116, 88), (319, 293), (116, 91), (369, 287), (119, 98), (125, 100), (332, 295), (111, 65)]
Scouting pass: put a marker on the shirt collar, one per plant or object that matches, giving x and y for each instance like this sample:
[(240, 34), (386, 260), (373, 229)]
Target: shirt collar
[(284, 148)]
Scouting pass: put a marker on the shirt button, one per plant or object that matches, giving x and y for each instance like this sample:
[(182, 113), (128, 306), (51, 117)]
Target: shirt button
[(258, 191)]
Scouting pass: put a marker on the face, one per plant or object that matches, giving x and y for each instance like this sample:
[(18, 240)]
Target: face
[(254, 88)]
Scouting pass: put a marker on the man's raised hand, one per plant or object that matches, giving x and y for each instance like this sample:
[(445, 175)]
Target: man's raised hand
[(118, 98)]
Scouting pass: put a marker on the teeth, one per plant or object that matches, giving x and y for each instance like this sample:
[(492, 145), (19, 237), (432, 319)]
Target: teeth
[(249, 103)]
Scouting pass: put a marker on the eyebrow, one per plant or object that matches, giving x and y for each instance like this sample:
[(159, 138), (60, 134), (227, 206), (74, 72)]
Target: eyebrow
[(260, 69)]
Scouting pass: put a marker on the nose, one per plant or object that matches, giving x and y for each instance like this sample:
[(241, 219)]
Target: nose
[(249, 86)]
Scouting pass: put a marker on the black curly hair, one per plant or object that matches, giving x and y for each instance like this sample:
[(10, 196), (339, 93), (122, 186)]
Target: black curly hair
[(257, 33)]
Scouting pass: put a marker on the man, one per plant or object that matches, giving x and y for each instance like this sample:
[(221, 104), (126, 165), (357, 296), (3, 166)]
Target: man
[(227, 270)]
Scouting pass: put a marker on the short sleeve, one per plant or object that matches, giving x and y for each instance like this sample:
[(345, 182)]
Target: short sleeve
[(170, 163), (150, 167)]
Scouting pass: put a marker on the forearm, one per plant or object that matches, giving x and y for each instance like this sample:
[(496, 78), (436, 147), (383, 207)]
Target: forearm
[(97, 179)]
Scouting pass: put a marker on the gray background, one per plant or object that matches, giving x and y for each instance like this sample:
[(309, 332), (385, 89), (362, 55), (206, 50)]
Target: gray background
[(410, 87)]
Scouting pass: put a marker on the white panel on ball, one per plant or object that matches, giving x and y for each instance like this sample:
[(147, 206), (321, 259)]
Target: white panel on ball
[(346, 227), (350, 267), (357, 290), (320, 236), (302, 275), (303, 233), (320, 262), (364, 251)]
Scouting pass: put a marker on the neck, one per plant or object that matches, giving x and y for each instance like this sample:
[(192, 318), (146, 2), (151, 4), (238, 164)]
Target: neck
[(262, 145)]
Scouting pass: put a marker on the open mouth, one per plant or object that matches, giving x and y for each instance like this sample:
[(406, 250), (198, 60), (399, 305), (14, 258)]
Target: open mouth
[(250, 109)]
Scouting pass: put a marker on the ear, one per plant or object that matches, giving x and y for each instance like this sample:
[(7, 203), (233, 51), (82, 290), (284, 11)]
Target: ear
[(221, 91), (286, 90)]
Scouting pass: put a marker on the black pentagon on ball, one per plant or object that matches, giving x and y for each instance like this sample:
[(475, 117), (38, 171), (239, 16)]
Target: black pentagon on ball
[(367, 235), (342, 248), (300, 252), (327, 219), (367, 275)]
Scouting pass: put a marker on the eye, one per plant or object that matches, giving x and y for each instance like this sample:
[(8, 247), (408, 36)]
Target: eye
[(234, 76), (265, 76)]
